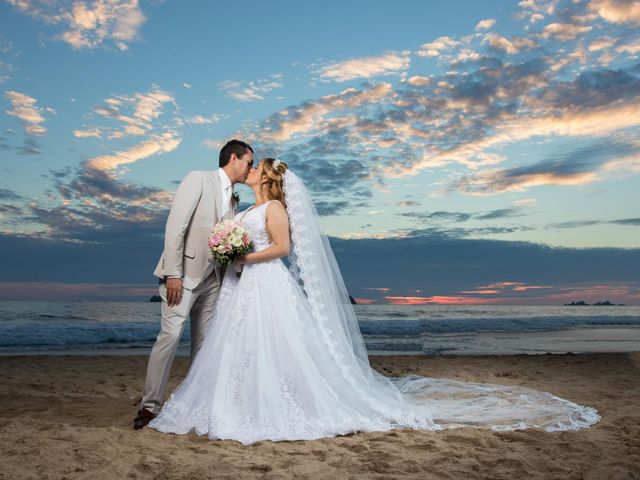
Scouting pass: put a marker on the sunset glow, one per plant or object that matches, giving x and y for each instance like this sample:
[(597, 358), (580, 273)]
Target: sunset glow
[(477, 152)]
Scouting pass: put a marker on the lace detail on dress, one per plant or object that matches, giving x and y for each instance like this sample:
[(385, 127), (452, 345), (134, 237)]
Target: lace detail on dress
[(292, 302), (235, 380), (288, 388), (239, 311)]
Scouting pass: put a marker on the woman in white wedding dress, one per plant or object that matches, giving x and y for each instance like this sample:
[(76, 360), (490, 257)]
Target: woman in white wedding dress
[(284, 359)]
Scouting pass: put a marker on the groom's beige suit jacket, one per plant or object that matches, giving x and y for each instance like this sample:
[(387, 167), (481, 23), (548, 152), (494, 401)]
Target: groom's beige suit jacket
[(194, 211)]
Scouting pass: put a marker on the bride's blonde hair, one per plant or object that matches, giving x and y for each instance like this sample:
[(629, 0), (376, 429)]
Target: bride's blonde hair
[(274, 175)]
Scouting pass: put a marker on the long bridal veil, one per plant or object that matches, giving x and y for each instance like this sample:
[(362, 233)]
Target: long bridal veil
[(411, 401)]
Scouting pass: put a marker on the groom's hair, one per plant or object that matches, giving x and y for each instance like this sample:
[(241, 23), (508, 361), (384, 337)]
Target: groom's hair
[(233, 146)]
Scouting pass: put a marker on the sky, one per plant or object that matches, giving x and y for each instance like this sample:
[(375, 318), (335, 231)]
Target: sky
[(458, 152)]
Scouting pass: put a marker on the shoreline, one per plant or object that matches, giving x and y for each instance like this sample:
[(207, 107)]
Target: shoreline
[(70, 416), (595, 339)]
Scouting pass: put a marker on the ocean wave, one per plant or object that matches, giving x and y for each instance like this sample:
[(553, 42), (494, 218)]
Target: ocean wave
[(112, 325)]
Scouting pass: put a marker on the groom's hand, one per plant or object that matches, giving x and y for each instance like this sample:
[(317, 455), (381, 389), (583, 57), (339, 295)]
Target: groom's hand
[(174, 291)]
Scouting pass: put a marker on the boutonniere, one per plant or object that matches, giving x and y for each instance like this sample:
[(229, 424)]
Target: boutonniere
[(235, 199)]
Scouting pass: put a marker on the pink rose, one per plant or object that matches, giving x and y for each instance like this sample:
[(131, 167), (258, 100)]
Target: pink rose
[(215, 240), (228, 247)]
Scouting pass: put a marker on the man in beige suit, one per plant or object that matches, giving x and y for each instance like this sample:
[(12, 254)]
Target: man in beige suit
[(189, 276)]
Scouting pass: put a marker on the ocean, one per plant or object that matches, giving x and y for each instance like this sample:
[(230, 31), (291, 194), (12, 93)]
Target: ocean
[(129, 328)]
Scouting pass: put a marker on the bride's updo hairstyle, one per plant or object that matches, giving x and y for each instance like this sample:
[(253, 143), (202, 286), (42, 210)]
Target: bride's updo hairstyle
[(273, 174)]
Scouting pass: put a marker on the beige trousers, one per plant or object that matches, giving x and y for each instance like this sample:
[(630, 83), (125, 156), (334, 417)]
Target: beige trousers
[(197, 304)]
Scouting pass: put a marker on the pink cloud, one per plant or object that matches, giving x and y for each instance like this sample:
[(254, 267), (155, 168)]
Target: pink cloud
[(366, 301), (438, 300)]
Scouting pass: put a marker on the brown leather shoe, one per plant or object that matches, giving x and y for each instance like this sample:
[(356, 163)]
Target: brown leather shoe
[(143, 418)]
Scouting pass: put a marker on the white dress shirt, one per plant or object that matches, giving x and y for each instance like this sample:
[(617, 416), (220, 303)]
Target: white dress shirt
[(227, 191)]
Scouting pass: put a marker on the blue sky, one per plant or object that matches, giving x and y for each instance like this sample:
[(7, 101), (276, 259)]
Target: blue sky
[(419, 126)]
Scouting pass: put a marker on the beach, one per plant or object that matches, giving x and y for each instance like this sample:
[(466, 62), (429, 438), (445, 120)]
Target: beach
[(70, 417)]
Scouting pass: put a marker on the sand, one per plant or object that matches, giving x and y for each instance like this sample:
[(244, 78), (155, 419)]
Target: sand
[(70, 418)]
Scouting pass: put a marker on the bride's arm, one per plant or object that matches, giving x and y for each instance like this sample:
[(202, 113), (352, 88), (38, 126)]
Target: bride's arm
[(278, 228)]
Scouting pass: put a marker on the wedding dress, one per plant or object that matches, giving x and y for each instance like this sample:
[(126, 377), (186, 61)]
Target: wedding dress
[(283, 359)]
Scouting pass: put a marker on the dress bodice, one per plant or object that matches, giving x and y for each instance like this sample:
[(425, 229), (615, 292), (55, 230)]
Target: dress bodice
[(254, 220)]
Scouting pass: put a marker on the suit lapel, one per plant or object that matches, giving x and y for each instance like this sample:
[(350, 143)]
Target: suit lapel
[(217, 193)]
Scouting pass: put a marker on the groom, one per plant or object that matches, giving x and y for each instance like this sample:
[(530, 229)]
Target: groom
[(189, 277)]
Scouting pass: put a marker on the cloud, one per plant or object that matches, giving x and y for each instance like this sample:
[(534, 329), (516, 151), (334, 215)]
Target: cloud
[(500, 213), (97, 208), (24, 107), (6, 46), (579, 167), (201, 120), (91, 133), (10, 195), (601, 43), (631, 48), (407, 203), (435, 48), (537, 10), (161, 143), (575, 224), (617, 11), (134, 113), (486, 24), (595, 104), (30, 147), (89, 25), (148, 106), (92, 203), (213, 144), (632, 222), (512, 46), (437, 300), (525, 202), (309, 116), (492, 92), (563, 31), (340, 177), (419, 81), (6, 69), (250, 91), (388, 64), (627, 221), (440, 216)]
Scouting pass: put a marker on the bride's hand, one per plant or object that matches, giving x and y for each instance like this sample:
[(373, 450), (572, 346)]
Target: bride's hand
[(241, 260)]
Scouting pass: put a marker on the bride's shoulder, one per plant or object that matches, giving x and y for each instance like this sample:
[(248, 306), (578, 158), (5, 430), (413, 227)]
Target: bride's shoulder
[(275, 208), (274, 205)]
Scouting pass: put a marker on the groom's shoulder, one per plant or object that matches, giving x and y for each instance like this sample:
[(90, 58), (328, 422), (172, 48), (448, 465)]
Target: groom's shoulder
[(199, 173), (196, 175)]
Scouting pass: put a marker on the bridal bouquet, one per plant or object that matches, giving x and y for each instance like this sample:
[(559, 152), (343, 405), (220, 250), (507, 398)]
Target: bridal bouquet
[(229, 239)]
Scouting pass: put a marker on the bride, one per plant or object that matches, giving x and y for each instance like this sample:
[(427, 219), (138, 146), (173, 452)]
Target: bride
[(284, 359)]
